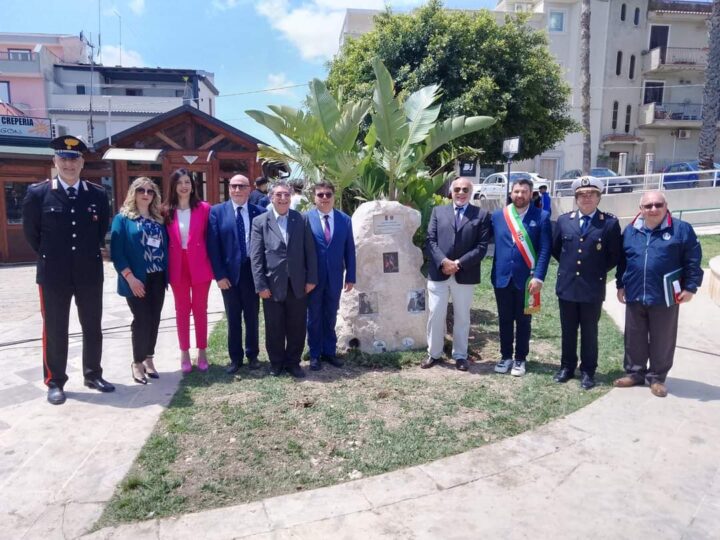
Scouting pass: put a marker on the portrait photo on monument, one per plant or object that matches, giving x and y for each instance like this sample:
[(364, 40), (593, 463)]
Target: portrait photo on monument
[(416, 300), (390, 262), (368, 303)]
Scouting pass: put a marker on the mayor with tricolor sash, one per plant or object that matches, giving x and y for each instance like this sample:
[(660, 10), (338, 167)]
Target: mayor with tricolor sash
[(523, 243)]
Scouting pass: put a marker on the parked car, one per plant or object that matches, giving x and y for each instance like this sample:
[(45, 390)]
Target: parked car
[(495, 185), (688, 180), (613, 182)]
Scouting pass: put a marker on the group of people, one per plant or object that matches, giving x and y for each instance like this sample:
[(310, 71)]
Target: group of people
[(299, 265), (658, 267)]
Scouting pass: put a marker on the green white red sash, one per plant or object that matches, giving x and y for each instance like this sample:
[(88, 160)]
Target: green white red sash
[(527, 250)]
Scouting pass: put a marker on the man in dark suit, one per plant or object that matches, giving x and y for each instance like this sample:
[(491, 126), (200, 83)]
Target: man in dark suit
[(65, 220), (523, 242), (335, 248), (587, 244), (284, 267), (229, 242), (457, 240)]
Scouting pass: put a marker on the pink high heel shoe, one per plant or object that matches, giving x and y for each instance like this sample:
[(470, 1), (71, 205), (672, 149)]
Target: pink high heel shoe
[(202, 364), (185, 364)]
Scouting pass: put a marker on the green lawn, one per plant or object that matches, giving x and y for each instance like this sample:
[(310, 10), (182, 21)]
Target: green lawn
[(710, 246), (229, 440)]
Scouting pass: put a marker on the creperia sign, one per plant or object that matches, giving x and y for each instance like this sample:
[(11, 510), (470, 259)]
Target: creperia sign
[(25, 126)]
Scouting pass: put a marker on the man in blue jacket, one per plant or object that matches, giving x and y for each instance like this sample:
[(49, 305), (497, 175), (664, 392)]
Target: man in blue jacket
[(523, 242), (659, 269), (335, 248)]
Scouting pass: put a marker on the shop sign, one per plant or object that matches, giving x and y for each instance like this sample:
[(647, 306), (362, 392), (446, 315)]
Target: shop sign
[(25, 126)]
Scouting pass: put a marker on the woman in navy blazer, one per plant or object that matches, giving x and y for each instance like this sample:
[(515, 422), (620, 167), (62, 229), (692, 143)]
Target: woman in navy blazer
[(139, 251)]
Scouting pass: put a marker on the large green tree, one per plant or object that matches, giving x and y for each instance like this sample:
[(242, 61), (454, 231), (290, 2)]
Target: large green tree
[(500, 70)]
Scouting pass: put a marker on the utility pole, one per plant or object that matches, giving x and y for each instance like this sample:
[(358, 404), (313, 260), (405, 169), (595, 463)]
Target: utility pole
[(91, 126), (120, 30)]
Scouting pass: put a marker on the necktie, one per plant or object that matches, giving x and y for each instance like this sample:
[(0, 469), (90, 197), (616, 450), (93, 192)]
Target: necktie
[(328, 236), (458, 217), (240, 222), (584, 222), (72, 193)]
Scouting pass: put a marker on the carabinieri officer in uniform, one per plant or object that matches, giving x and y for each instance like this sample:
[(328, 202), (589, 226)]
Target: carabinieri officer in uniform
[(587, 244), (65, 220)]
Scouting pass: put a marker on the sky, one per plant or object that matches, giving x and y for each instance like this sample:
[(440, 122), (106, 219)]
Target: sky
[(255, 48)]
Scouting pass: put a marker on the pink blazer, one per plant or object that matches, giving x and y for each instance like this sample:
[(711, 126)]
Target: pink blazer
[(198, 260)]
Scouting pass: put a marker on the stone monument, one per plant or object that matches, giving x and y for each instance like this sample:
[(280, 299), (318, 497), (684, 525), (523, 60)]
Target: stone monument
[(387, 308)]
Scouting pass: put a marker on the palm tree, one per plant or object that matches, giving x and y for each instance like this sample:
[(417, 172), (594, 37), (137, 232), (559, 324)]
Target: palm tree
[(585, 75), (711, 95)]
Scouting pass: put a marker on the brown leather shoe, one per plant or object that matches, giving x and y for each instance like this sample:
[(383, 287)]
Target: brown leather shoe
[(658, 389), (627, 381)]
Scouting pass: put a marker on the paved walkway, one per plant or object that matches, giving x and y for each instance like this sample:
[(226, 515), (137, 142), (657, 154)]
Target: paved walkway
[(627, 466)]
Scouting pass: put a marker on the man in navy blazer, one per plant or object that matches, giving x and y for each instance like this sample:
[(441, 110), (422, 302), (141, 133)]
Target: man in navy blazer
[(512, 277), (335, 248), (457, 240), (284, 268), (228, 244)]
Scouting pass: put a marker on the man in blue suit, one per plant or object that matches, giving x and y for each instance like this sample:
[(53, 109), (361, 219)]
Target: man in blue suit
[(523, 244), (335, 248), (228, 244)]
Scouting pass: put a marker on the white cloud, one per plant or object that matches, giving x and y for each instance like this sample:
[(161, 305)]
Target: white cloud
[(276, 83), (314, 26), (137, 6), (224, 5), (130, 58)]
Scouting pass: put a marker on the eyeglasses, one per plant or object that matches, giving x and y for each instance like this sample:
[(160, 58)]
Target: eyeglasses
[(239, 186), (325, 195), (461, 190), (143, 191), (281, 195), (650, 206)]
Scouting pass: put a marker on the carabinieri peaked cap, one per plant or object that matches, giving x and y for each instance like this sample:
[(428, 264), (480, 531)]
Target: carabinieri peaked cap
[(68, 146)]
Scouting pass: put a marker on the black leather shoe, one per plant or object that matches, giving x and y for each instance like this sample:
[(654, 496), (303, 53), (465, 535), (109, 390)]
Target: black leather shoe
[(296, 371), (332, 360), (315, 364), (99, 384), (461, 364), (563, 375), (276, 372), (587, 381), (232, 368), (429, 362), (55, 395), (253, 363)]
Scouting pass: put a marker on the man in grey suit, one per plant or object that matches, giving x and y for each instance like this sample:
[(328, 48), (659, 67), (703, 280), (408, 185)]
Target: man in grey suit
[(457, 240), (284, 268)]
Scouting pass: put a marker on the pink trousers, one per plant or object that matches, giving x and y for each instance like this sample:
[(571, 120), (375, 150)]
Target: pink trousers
[(190, 297)]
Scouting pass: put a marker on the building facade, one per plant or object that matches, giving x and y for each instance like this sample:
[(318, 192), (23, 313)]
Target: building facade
[(647, 68)]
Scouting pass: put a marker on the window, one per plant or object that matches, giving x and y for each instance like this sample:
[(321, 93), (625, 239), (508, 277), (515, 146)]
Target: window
[(133, 92), (24, 55), (636, 17), (623, 10), (5, 91), (618, 63), (631, 73), (628, 111), (80, 89), (179, 93), (14, 195), (556, 21), (653, 92), (616, 107)]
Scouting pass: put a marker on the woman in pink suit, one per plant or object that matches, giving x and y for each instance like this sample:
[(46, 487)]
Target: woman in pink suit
[(189, 265)]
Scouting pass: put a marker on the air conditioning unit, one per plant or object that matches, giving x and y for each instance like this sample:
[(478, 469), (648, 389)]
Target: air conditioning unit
[(683, 133)]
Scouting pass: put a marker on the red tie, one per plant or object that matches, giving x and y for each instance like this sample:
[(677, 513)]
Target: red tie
[(328, 236)]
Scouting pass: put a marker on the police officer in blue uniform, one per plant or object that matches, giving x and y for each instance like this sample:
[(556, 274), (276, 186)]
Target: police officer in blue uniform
[(65, 220), (587, 244)]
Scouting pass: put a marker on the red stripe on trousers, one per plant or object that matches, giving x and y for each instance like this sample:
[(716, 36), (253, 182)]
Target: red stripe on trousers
[(44, 338)]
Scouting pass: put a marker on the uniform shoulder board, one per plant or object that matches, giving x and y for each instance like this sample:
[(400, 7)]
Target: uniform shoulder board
[(570, 214), (42, 182), (608, 214)]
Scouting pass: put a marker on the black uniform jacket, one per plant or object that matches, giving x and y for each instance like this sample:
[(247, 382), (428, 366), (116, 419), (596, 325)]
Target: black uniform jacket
[(66, 235), (585, 259)]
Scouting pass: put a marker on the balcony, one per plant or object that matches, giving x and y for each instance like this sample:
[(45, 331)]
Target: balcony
[(672, 115), (19, 64), (666, 59), (117, 104)]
